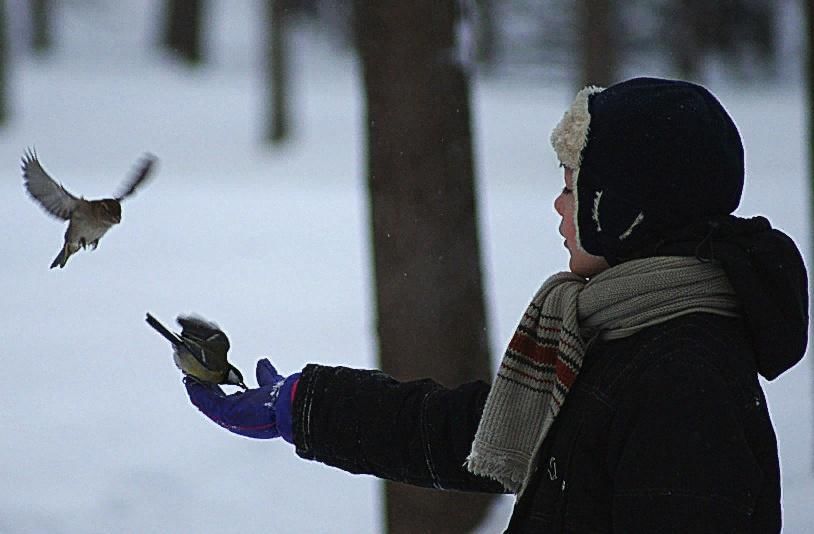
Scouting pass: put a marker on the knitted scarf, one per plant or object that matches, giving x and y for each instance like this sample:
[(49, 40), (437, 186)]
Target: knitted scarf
[(546, 352)]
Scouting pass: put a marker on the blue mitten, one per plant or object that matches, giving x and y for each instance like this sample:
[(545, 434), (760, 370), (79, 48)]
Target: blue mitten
[(263, 412)]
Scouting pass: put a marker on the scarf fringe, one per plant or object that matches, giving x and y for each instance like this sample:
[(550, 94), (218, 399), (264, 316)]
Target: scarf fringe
[(545, 354), (510, 472)]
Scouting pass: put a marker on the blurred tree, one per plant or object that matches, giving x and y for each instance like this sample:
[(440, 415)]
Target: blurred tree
[(307, 8), (336, 18), (40, 25), (183, 21), (598, 26), (4, 64), (431, 319), (742, 31), (486, 31), (808, 11), (277, 112), (685, 33)]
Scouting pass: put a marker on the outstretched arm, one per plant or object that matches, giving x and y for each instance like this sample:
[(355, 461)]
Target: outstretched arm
[(367, 422)]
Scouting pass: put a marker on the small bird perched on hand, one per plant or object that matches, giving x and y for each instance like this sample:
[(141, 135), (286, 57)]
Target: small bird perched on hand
[(200, 350), (89, 219)]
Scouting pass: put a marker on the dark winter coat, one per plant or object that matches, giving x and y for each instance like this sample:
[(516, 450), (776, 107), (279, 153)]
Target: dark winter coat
[(663, 431)]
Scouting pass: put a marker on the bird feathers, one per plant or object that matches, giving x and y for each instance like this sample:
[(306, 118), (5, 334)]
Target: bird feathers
[(142, 172), (207, 335), (54, 198), (89, 219)]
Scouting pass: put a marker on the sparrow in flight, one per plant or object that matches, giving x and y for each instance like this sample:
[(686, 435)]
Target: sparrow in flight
[(88, 219)]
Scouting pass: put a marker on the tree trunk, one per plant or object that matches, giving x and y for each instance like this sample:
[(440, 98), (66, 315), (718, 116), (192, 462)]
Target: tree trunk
[(808, 8), (182, 29), (276, 130), (487, 32), (597, 25), (40, 25), (431, 319), (684, 23), (4, 64)]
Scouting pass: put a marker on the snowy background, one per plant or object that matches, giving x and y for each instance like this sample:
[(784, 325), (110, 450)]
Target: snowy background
[(98, 435)]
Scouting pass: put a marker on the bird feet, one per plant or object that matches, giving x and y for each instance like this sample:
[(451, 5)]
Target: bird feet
[(84, 244)]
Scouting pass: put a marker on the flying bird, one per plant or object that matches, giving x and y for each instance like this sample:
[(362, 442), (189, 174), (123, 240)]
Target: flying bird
[(88, 219)]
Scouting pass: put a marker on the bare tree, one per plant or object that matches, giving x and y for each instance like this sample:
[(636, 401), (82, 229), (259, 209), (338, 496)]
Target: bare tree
[(808, 8), (487, 32), (277, 112), (743, 31), (4, 64), (183, 21), (430, 309), (598, 29), (685, 31), (40, 25)]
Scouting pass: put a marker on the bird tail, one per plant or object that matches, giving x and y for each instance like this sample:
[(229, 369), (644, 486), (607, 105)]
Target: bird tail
[(64, 254), (61, 259)]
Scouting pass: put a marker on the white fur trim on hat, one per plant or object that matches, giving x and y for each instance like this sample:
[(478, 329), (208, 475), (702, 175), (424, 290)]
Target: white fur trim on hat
[(570, 136)]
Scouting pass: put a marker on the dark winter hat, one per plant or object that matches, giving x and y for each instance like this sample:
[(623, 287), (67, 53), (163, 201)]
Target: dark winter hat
[(650, 156)]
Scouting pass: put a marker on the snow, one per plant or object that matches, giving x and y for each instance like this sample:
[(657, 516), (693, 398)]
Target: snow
[(272, 244)]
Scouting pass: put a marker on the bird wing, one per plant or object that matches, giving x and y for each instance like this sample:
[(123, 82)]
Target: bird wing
[(209, 337), (141, 173), (51, 195)]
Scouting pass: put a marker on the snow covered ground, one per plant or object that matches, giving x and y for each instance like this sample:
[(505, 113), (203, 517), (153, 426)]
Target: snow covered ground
[(98, 435)]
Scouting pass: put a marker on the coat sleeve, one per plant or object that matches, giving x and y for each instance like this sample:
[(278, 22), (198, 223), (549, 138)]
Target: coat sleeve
[(366, 422), (681, 452)]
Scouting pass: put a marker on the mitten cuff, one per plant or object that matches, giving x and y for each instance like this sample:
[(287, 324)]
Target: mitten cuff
[(283, 408)]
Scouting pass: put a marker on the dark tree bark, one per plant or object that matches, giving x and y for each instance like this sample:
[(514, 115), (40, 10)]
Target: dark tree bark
[(182, 29), (487, 33), (597, 24), (277, 112), (40, 25), (684, 25), (431, 319), (743, 31), (808, 8), (4, 64)]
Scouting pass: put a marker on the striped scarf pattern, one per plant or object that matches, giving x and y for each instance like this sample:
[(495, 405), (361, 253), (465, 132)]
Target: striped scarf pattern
[(545, 354)]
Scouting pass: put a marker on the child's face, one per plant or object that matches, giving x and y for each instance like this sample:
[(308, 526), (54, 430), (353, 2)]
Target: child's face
[(581, 262)]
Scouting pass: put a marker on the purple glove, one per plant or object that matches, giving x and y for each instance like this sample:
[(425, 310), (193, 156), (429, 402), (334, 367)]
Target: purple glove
[(263, 412)]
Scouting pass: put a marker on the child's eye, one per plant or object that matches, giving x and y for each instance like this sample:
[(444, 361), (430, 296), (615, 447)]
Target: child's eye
[(562, 165), (566, 191)]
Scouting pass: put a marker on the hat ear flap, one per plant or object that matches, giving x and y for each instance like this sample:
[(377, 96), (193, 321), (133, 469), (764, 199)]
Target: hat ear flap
[(610, 223), (570, 135), (569, 139)]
